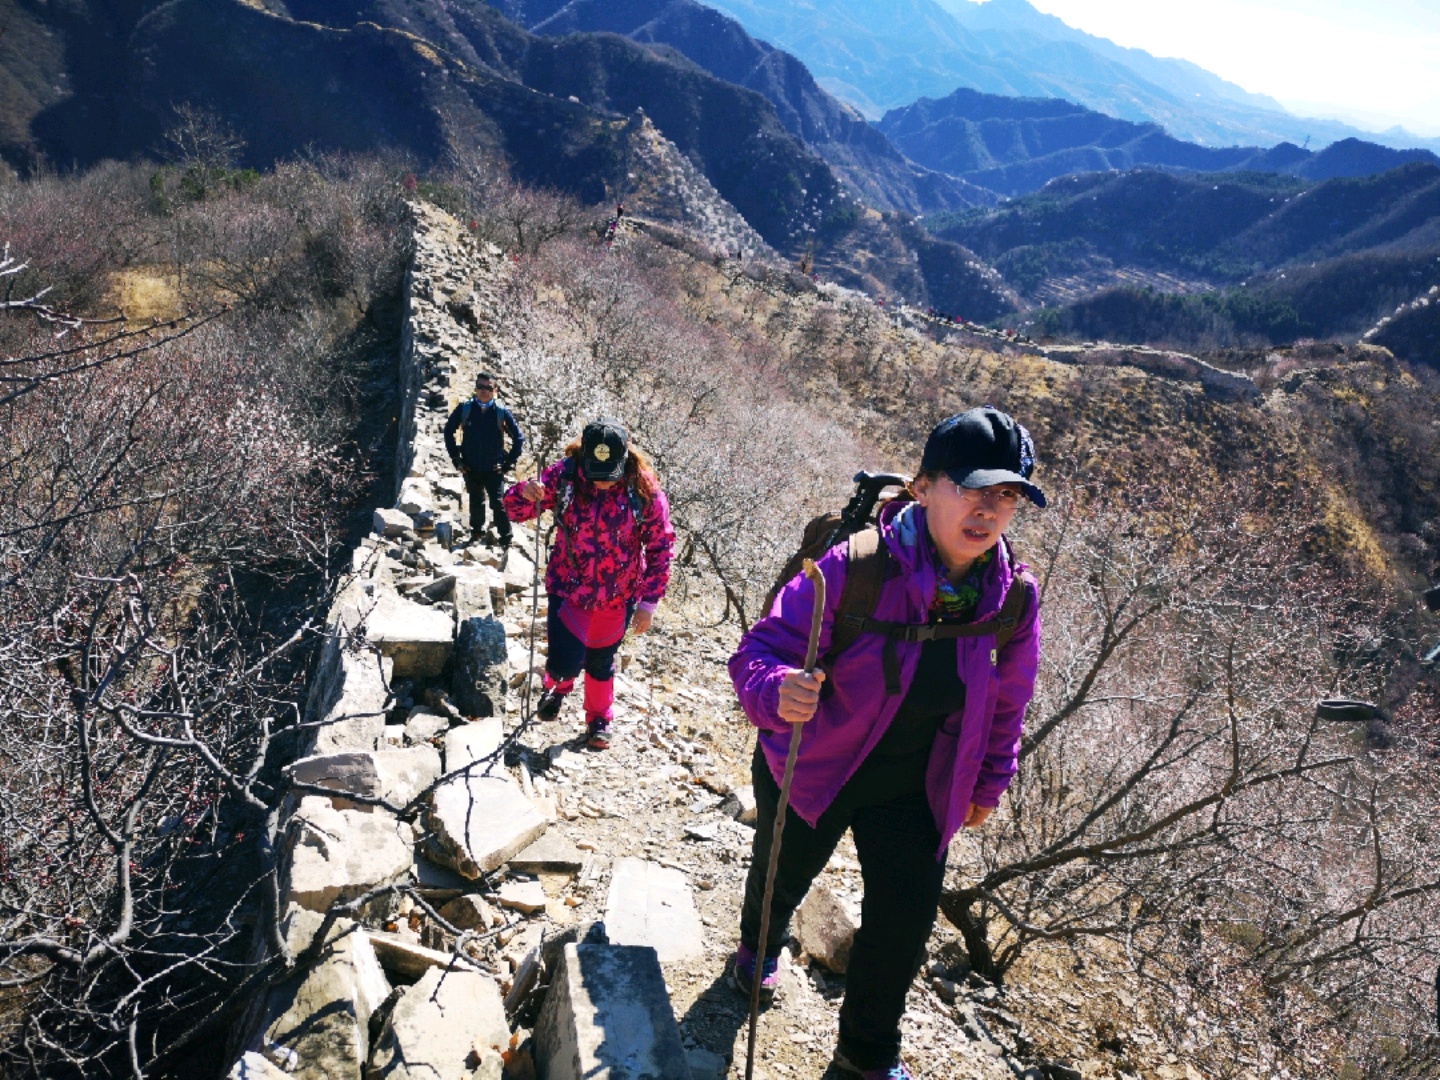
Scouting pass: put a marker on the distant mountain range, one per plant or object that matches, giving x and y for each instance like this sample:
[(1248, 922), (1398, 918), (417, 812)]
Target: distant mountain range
[(677, 110), (1017, 145), (885, 54), (1262, 258)]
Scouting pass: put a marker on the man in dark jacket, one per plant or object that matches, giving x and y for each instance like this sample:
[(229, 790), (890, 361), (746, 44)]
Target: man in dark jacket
[(481, 456)]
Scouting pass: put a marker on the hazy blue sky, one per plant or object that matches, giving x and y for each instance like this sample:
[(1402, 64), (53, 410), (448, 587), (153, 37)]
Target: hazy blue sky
[(1373, 63)]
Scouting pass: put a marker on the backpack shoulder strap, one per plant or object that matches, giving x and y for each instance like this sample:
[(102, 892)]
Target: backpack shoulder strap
[(465, 410), (565, 492), (1012, 612), (865, 566), (856, 614)]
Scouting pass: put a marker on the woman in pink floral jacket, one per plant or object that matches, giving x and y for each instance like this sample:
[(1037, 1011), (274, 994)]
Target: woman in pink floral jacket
[(608, 568)]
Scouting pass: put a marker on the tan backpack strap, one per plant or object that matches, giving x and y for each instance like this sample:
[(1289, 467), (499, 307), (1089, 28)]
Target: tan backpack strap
[(1012, 612), (865, 566)]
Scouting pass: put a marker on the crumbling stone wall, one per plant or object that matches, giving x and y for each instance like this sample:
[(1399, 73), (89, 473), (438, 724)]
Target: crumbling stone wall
[(367, 788)]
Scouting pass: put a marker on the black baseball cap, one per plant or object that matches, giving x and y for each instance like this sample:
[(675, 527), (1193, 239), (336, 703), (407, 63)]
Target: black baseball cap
[(983, 447), (604, 445)]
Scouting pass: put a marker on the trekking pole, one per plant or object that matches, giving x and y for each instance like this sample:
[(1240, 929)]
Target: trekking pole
[(817, 615), (534, 615)]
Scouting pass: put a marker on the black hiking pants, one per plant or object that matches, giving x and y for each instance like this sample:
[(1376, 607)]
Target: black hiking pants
[(483, 487), (896, 841)]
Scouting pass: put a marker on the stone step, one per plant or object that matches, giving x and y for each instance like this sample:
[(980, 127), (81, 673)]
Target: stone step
[(342, 854), (418, 639), (651, 905), (607, 1015)]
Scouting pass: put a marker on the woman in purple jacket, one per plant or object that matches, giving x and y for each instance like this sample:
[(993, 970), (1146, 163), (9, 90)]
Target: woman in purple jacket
[(903, 771), (610, 563)]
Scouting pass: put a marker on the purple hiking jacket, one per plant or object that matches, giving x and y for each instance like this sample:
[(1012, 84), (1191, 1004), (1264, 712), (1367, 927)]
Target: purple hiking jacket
[(975, 751)]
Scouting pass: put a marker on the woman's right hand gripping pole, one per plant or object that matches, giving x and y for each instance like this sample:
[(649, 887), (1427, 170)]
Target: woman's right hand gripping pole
[(799, 695)]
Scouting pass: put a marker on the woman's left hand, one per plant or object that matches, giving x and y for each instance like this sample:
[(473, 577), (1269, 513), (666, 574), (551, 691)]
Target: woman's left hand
[(640, 621), (977, 815)]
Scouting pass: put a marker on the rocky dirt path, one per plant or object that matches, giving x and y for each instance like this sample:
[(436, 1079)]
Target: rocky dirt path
[(663, 794)]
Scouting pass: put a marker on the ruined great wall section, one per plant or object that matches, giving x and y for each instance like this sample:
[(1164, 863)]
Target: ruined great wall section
[(467, 895), (423, 884)]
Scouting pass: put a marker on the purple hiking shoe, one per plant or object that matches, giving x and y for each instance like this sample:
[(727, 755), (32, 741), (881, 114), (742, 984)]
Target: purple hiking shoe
[(742, 974), (895, 1071)]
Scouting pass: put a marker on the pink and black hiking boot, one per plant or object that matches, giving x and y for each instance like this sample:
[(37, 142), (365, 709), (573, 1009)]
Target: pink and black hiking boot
[(896, 1070), (552, 698), (549, 705), (742, 975), (597, 733)]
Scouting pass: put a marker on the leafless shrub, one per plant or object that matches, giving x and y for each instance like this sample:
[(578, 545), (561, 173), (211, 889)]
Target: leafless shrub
[(1177, 796), (171, 500), (477, 188)]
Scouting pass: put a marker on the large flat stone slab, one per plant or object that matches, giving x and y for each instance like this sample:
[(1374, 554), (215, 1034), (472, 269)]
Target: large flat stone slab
[(607, 1014), (480, 821), (652, 905), (438, 1025), (341, 854), (320, 1029), (347, 699), (475, 741), (417, 638), (388, 521), (475, 587), (405, 961), (553, 853), (397, 776)]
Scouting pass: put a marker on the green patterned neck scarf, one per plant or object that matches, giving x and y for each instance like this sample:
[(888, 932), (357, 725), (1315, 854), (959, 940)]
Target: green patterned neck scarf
[(957, 603)]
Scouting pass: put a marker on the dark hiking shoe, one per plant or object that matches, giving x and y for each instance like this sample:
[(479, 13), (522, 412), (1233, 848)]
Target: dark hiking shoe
[(597, 734), (895, 1071), (742, 975), (549, 705)]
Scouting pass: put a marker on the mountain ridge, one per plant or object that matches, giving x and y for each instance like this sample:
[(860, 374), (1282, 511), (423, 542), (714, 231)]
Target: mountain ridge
[(1265, 259), (438, 81), (882, 54), (1016, 145), (862, 156)]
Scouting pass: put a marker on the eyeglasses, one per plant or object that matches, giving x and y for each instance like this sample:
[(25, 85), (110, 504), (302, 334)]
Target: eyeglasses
[(1002, 498), (484, 388)]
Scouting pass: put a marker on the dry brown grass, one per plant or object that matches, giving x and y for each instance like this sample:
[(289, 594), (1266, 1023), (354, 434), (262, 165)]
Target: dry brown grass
[(145, 293)]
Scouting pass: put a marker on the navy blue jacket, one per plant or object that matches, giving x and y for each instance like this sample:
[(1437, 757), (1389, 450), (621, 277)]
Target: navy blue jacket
[(482, 446)]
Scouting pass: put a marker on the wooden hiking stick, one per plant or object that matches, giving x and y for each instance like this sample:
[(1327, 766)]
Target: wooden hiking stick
[(817, 615)]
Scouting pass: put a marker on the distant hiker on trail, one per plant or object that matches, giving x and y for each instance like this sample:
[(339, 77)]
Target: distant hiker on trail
[(609, 565), (910, 736), (481, 457)]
